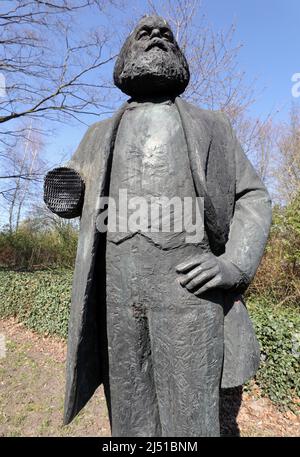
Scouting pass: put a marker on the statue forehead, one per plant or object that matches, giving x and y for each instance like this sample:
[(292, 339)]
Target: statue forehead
[(152, 21)]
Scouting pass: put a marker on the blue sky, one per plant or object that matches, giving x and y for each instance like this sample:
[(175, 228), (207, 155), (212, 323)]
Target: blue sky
[(269, 31), (270, 54)]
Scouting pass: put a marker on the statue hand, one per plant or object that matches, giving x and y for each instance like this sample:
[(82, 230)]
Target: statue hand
[(206, 271)]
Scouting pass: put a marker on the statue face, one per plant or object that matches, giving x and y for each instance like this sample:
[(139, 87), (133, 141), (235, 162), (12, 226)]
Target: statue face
[(150, 62)]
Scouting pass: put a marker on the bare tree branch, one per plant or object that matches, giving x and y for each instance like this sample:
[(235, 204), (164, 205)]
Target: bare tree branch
[(52, 65)]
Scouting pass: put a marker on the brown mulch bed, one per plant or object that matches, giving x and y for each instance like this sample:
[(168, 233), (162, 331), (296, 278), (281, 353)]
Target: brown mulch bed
[(32, 391)]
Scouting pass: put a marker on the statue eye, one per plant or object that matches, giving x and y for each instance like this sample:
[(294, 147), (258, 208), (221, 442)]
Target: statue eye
[(166, 33), (142, 34)]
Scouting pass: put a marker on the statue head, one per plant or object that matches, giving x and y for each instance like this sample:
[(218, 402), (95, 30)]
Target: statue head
[(150, 62)]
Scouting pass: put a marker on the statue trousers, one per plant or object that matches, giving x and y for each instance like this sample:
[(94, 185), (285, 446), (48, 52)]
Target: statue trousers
[(165, 345)]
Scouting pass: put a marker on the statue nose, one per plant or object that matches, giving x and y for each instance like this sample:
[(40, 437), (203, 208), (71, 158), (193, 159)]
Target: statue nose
[(155, 33)]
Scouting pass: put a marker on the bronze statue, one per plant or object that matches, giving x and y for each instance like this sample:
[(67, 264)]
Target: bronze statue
[(160, 320)]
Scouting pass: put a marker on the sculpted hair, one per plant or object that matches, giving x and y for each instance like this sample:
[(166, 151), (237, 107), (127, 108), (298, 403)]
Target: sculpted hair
[(120, 62)]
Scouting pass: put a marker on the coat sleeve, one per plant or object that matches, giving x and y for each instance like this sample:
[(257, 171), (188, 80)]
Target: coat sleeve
[(252, 215), (64, 186)]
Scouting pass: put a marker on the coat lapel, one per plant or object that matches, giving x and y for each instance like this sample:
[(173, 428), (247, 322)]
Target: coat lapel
[(198, 145), (93, 161), (199, 139)]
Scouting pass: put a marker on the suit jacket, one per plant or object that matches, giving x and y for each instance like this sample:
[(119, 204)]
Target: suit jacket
[(237, 219)]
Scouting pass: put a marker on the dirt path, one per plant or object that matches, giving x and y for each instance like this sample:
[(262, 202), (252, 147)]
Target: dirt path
[(32, 391)]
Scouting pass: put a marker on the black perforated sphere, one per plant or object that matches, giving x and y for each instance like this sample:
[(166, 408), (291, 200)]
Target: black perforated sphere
[(63, 192)]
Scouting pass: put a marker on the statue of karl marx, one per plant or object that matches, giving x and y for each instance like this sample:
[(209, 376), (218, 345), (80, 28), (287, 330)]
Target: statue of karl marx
[(158, 320)]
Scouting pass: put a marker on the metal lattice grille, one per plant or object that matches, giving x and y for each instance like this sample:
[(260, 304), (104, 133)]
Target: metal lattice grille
[(63, 192)]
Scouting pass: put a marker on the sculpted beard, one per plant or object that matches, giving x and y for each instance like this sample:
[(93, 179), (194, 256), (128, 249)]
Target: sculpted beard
[(160, 70)]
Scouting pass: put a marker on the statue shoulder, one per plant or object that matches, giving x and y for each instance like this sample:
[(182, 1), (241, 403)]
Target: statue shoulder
[(98, 126), (212, 118), (218, 121), (89, 144)]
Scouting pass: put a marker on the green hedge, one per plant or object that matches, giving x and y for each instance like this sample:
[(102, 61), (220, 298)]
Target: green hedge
[(41, 300), (278, 332)]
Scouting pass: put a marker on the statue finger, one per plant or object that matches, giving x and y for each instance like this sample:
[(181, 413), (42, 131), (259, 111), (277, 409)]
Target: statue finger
[(196, 271), (212, 284), (202, 278), (188, 264)]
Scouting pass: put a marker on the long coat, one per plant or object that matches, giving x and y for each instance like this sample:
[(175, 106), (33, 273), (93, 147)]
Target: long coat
[(237, 219)]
